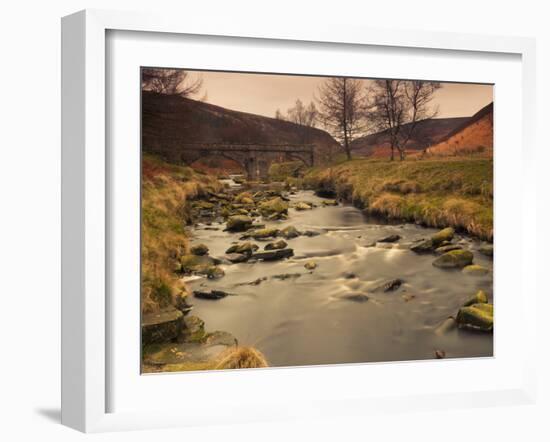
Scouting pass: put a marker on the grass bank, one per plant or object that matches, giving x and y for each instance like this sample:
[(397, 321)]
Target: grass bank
[(166, 190), (455, 192)]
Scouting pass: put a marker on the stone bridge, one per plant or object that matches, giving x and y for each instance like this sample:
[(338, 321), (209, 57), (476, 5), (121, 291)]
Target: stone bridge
[(254, 158)]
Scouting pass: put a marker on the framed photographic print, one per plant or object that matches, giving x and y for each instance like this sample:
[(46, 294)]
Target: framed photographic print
[(283, 223)]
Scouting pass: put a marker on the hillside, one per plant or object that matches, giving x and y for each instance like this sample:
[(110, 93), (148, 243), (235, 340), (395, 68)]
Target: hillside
[(427, 132), (167, 118), (474, 136)]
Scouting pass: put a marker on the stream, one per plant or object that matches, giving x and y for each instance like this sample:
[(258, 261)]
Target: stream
[(306, 319)]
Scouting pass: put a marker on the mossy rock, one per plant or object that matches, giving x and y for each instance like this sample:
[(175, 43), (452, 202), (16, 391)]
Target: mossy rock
[(290, 232), (446, 234), (199, 250), (274, 208), (447, 248), (424, 246), (475, 270), (246, 248), (214, 272), (280, 244), (302, 206), (195, 264), (243, 198), (479, 298), (236, 258), (262, 233), (477, 317), (163, 326), (310, 265), (487, 250), (455, 259), (238, 223), (273, 255), (193, 330)]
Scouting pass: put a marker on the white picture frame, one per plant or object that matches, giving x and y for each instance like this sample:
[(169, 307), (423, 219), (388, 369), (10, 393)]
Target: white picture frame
[(86, 207)]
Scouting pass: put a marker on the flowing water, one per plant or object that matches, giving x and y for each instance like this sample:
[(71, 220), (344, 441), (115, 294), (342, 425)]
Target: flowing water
[(305, 319)]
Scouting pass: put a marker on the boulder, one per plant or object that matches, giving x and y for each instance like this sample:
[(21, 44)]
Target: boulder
[(329, 202), (443, 235), (261, 233), (280, 244), (475, 270), (424, 246), (246, 248), (391, 285), (447, 248), (390, 238), (310, 265), (273, 255), (238, 223), (199, 250), (285, 276), (242, 196), (302, 206), (310, 233), (477, 317), (455, 259), (479, 298), (290, 232), (274, 208), (487, 250), (214, 272), (211, 295), (160, 327), (193, 330), (189, 264), (236, 257), (355, 297)]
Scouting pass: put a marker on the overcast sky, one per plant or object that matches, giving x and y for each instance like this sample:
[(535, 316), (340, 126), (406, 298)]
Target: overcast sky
[(263, 94)]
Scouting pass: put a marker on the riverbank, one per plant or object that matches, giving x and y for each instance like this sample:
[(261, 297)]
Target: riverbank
[(431, 192), (166, 192)]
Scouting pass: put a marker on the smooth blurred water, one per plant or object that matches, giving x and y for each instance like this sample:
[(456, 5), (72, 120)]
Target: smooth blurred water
[(304, 320)]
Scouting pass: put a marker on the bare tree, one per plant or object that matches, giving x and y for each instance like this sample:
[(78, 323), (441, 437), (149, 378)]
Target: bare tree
[(279, 115), (342, 109), (300, 114), (170, 81), (396, 106)]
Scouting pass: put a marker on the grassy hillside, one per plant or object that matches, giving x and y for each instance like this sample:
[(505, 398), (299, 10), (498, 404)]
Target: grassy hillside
[(167, 120), (474, 136), (435, 192), (427, 132), (166, 189)]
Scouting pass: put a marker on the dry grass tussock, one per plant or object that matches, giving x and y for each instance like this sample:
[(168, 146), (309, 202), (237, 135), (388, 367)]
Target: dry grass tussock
[(166, 189), (241, 357)]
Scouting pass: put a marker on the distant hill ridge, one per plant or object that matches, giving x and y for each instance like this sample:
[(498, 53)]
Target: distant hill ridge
[(427, 132), (166, 118), (474, 136)]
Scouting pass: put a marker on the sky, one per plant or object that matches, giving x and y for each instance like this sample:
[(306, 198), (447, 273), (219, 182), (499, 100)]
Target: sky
[(265, 93)]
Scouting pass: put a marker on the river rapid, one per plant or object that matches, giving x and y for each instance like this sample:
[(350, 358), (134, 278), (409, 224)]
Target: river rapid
[(305, 318)]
